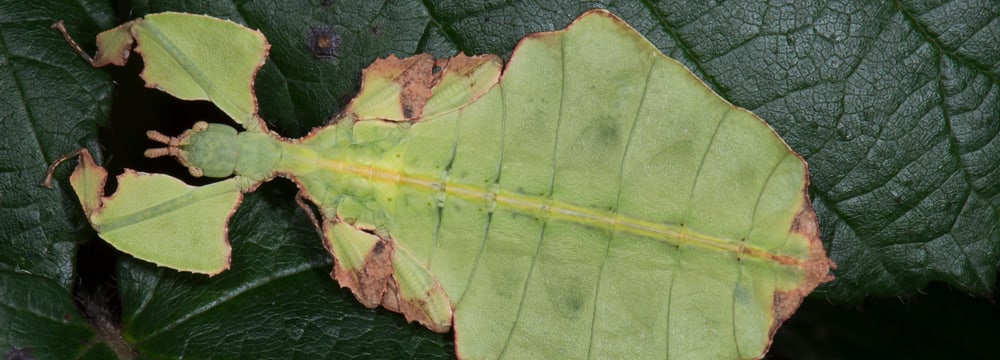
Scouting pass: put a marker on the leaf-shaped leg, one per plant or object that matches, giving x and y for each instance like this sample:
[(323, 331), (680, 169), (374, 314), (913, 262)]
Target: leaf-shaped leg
[(192, 57), (158, 218)]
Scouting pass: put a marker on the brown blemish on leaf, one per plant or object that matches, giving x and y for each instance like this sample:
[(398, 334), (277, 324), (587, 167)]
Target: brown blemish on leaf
[(323, 42)]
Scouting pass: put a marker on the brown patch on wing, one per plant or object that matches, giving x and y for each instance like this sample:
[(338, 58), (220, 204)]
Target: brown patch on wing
[(370, 282), (817, 267), (413, 309), (777, 258), (416, 87), (417, 76), (463, 65), (376, 284), (413, 74)]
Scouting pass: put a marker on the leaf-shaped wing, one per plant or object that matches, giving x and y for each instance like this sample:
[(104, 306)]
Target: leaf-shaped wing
[(193, 57)]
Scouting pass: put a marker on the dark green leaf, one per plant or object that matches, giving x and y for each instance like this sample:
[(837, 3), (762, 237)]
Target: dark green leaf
[(51, 104), (900, 127)]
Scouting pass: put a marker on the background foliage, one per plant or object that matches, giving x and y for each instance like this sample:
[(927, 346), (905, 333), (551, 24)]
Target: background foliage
[(895, 104)]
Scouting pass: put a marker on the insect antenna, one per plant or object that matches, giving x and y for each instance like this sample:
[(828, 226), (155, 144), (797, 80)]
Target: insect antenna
[(172, 148)]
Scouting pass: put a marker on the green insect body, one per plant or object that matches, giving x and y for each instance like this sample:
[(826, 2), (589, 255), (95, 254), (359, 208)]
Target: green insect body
[(593, 200)]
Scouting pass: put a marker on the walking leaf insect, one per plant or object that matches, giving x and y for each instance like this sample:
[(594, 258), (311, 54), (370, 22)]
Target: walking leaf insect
[(593, 199)]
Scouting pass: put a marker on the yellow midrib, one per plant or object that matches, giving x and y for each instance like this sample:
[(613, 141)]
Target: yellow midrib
[(548, 208)]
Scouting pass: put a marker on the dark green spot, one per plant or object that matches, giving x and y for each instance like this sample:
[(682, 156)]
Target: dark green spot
[(573, 303), (606, 131)]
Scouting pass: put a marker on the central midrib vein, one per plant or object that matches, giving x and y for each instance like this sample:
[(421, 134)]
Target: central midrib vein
[(547, 208)]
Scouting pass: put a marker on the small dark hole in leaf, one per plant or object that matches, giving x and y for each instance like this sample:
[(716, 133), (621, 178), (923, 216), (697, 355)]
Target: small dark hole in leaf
[(381, 233), (323, 42)]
